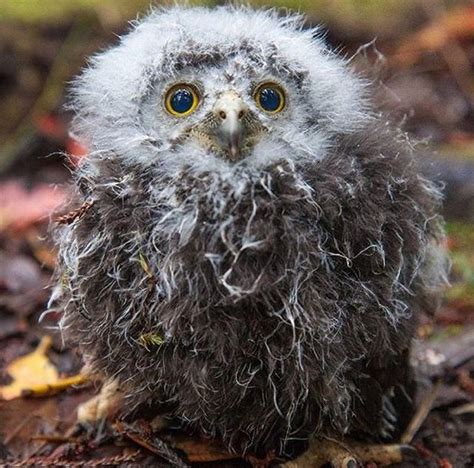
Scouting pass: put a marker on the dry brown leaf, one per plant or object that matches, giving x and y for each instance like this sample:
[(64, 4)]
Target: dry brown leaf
[(457, 24), (44, 253), (203, 451), (21, 208), (34, 374), (140, 433)]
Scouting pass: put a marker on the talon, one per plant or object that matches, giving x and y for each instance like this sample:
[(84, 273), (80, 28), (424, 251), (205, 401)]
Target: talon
[(350, 462), (345, 462), (380, 454), (101, 406), (96, 431), (350, 454), (408, 452), (89, 428)]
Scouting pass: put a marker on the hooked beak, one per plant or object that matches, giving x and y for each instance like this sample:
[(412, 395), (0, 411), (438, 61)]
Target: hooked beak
[(229, 112), (230, 129)]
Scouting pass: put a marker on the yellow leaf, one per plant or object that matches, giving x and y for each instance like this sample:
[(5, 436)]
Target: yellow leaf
[(34, 374)]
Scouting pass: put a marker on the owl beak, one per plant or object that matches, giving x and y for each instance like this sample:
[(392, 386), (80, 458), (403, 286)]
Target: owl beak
[(230, 111)]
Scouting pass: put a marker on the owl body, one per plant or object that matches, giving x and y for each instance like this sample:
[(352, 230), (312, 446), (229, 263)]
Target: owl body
[(255, 265)]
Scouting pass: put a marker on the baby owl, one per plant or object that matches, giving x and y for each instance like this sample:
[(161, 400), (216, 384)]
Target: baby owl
[(254, 242)]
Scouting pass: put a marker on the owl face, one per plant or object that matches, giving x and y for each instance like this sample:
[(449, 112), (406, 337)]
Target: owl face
[(236, 116), (212, 90), (227, 112)]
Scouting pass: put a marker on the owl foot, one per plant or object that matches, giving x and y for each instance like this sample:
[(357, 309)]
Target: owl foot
[(349, 454), (101, 406)]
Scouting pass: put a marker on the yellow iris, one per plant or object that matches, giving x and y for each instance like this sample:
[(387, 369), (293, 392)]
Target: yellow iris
[(181, 100), (270, 97)]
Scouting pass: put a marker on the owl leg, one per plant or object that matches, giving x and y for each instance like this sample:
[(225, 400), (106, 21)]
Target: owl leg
[(349, 454), (102, 405), (106, 404)]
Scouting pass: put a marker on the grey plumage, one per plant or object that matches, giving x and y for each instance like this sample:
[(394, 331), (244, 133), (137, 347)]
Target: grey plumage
[(284, 287)]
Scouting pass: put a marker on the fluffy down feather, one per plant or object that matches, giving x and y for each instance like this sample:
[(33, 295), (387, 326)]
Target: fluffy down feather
[(285, 289)]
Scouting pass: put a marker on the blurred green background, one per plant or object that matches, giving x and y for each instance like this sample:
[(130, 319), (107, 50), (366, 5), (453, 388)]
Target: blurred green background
[(380, 16)]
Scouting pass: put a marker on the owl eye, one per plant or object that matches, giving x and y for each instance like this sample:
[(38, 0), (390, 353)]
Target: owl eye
[(181, 100), (270, 97)]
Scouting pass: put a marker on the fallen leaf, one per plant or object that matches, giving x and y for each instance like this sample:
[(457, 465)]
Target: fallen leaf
[(466, 382), (44, 253), (49, 388), (21, 208), (23, 285), (23, 419), (19, 273), (34, 374), (76, 151), (203, 451), (139, 432), (457, 24), (52, 126), (11, 325), (32, 369), (444, 463)]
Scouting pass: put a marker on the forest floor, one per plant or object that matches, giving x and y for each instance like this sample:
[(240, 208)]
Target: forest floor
[(426, 75)]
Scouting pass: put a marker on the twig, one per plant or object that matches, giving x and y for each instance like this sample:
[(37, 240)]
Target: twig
[(421, 414), (53, 438), (463, 409), (78, 213), (58, 385), (118, 460)]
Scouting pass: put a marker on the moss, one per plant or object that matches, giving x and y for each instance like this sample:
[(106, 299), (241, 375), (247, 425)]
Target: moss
[(461, 244), (151, 340)]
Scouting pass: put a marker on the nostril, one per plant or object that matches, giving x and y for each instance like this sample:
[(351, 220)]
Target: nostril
[(222, 115), (241, 114)]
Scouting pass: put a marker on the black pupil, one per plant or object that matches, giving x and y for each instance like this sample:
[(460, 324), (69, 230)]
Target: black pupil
[(270, 99), (182, 101)]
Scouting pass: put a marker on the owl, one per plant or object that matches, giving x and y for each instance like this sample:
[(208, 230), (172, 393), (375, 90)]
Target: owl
[(254, 242)]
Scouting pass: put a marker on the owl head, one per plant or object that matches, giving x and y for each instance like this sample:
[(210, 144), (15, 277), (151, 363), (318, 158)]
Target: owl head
[(213, 90)]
